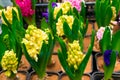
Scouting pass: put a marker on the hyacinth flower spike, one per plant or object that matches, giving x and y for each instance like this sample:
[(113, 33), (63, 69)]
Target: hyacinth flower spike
[(72, 59), (27, 8), (109, 45), (10, 39), (37, 48)]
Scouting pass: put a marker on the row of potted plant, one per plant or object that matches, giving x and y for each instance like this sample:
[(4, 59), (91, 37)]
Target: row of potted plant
[(65, 24)]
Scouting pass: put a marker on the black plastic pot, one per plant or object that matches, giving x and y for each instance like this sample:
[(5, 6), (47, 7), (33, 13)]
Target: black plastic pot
[(94, 61), (100, 66), (55, 66), (99, 76), (49, 76), (67, 78), (21, 75)]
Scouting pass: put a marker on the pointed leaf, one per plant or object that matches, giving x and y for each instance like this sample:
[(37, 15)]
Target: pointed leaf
[(108, 70), (67, 31), (44, 24), (106, 40), (59, 14), (5, 19), (62, 57), (75, 29), (116, 42), (83, 64), (30, 60)]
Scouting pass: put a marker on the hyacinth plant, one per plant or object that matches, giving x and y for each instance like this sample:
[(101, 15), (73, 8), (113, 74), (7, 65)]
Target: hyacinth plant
[(71, 55), (109, 45), (106, 11), (69, 30), (65, 10), (11, 35), (27, 8), (37, 45)]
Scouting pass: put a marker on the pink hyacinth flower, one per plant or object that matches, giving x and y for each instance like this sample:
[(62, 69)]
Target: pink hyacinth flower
[(76, 4), (26, 7), (100, 33)]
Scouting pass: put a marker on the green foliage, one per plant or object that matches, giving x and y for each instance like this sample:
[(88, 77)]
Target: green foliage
[(59, 14), (43, 57), (12, 35), (116, 4), (103, 12), (108, 70), (105, 42), (44, 24), (116, 42), (83, 11), (74, 75), (110, 42), (67, 31), (51, 21)]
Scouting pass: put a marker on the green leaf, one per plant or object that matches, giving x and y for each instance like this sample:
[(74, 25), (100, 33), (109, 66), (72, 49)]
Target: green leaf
[(62, 57), (83, 11), (44, 24), (44, 56), (116, 4), (20, 16), (108, 16), (83, 64), (105, 42), (75, 29), (3, 48), (5, 19), (116, 41), (85, 28), (81, 38), (5, 30), (97, 12), (33, 3), (108, 70), (63, 46), (81, 23), (67, 31), (59, 14), (51, 10), (31, 61), (75, 12)]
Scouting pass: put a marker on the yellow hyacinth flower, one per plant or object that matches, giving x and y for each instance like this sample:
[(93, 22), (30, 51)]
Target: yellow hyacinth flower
[(61, 20), (9, 62), (66, 6), (8, 14), (56, 10), (33, 41), (114, 12), (75, 55)]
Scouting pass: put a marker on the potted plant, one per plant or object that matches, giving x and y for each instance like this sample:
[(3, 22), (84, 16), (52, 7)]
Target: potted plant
[(37, 46), (109, 45), (107, 16), (70, 31), (10, 37)]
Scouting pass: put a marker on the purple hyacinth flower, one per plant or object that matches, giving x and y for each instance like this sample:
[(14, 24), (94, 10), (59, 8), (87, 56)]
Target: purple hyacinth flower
[(45, 14), (107, 55), (54, 4)]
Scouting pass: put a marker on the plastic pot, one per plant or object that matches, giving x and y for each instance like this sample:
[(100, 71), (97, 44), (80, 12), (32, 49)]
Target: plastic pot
[(100, 76)]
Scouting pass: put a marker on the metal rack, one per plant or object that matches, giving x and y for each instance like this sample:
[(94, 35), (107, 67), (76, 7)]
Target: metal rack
[(42, 7)]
